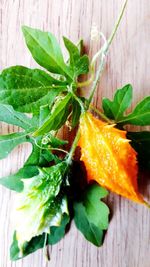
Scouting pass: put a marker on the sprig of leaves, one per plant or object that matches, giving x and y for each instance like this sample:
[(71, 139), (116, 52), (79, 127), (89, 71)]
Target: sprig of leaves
[(45, 180), (122, 100), (51, 99), (140, 116)]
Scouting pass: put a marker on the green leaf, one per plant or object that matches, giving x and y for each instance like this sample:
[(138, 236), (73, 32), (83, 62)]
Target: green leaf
[(73, 51), (10, 116), (140, 115), (46, 51), (56, 234), (14, 181), (10, 141), (58, 116), (41, 155), (30, 169), (80, 46), (94, 206), (14, 250), (41, 203), (79, 64), (44, 113), (82, 66), (38, 158), (49, 139), (140, 141), (88, 229), (91, 215), (106, 104), (28, 89), (122, 100), (76, 112)]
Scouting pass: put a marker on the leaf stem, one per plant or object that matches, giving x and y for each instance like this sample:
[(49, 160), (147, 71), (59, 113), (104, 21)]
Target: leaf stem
[(79, 101), (89, 81), (50, 148), (102, 115), (45, 248), (73, 147), (117, 23), (59, 149), (104, 51), (98, 75), (92, 66)]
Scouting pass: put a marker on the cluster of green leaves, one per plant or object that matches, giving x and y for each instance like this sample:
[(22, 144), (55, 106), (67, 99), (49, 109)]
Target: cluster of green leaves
[(49, 96), (140, 116)]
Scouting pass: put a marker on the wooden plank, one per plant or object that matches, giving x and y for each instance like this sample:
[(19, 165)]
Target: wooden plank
[(127, 243)]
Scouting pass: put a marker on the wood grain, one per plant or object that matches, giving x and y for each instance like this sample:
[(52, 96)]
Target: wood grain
[(127, 242)]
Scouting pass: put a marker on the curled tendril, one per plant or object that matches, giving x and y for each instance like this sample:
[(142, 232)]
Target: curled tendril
[(101, 53)]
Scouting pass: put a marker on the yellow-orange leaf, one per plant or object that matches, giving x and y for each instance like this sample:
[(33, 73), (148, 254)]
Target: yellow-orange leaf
[(108, 157)]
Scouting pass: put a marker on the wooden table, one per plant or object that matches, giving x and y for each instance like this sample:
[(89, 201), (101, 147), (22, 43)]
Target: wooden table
[(127, 242)]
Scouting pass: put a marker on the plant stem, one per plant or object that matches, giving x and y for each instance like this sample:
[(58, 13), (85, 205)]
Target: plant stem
[(79, 101), (73, 148), (98, 75), (45, 248), (102, 115), (59, 149), (90, 80), (92, 66), (50, 148), (101, 53), (104, 52), (117, 23)]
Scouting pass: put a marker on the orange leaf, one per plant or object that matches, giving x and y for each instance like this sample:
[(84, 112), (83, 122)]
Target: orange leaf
[(108, 157)]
